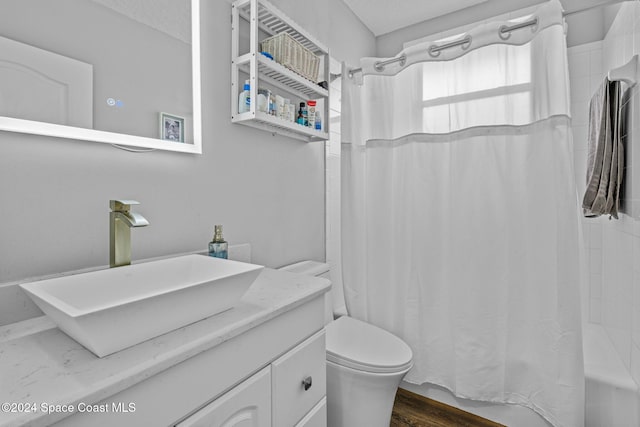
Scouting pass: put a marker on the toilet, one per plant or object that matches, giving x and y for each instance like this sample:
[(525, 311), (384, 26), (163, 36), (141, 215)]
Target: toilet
[(365, 364)]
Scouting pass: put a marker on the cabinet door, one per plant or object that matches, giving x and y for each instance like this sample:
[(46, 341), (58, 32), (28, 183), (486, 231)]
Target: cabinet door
[(246, 405), (317, 417), (298, 381)]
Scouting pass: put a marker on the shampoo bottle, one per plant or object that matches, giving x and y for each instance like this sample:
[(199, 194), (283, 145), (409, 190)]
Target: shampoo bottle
[(244, 100), (218, 247)]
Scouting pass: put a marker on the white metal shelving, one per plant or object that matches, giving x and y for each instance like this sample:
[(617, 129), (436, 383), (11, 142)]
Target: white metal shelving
[(264, 18)]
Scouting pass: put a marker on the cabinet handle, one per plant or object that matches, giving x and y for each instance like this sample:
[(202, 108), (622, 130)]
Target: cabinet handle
[(306, 383)]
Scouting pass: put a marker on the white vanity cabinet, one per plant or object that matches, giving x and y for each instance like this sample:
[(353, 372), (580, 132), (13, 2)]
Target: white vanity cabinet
[(272, 374), (317, 417), (246, 405), (289, 392), (298, 381)]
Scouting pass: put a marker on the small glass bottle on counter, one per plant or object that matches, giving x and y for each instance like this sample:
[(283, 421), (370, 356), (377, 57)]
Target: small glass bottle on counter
[(218, 247)]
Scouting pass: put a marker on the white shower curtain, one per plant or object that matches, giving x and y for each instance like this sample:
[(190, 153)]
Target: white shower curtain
[(460, 216)]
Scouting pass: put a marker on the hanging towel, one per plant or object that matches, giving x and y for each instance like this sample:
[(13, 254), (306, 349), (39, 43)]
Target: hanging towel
[(605, 162)]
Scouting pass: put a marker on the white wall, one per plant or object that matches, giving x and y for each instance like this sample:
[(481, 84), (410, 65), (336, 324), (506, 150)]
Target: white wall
[(266, 190)]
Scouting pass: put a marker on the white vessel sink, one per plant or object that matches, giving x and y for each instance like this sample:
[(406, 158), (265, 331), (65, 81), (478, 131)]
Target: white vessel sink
[(109, 310)]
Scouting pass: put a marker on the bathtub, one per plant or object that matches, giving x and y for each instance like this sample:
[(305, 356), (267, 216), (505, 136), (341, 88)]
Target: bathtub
[(611, 394)]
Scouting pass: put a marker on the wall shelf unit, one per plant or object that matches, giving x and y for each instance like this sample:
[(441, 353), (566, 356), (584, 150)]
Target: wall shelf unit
[(255, 20)]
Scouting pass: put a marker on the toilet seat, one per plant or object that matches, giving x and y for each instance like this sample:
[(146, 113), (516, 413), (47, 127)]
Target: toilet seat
[(362, 346)]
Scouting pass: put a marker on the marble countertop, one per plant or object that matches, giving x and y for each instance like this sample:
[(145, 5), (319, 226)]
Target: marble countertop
[(40, 365)]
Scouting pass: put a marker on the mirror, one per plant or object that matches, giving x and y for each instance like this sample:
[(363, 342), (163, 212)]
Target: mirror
[(111, 71)]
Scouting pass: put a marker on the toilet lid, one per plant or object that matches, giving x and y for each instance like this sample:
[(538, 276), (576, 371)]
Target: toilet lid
[(359, 345)]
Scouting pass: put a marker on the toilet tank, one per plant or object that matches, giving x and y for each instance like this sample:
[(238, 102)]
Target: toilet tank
[(317, 269)]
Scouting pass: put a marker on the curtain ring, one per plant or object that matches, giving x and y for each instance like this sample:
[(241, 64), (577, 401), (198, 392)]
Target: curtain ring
[(434, 51), (504, 35), (534, 27), (467, 43), (378, 66), (403, 60)]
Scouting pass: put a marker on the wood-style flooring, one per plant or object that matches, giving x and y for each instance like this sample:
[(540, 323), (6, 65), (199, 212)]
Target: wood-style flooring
[(413, 410)]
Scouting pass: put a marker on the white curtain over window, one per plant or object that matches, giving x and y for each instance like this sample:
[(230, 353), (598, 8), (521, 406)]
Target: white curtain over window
[(460, 216)]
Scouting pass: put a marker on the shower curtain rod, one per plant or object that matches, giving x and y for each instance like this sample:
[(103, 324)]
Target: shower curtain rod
[(465, 42)]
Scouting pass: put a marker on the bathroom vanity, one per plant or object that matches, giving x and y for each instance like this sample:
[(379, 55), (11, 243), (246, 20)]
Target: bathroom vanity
[(263, 360)]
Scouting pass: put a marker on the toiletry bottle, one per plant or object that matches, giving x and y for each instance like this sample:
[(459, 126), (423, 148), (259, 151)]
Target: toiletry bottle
[(291, 111), (244, 100), (318, 121), (263, 100), (272, 105), (218, 247), (300, 119), (280, 107), (305, 114), (311, 113)]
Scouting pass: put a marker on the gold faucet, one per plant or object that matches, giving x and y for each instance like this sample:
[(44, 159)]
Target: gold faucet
[(121, 219)]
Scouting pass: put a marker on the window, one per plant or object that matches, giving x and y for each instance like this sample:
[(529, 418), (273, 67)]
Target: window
[(498, 92)]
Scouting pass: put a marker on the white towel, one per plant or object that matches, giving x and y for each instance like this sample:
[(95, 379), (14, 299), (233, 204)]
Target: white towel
[(605, 163)]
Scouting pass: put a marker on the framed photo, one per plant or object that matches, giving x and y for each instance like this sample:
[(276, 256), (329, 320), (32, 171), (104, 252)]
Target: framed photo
[(171, 127)]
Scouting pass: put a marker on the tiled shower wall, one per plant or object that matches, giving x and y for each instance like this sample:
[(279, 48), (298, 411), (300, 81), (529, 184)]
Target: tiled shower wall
[(620, 308), (585, 74), (611, 296)]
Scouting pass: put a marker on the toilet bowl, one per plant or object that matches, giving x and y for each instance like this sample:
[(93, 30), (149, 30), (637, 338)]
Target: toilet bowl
[(365, 363)]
